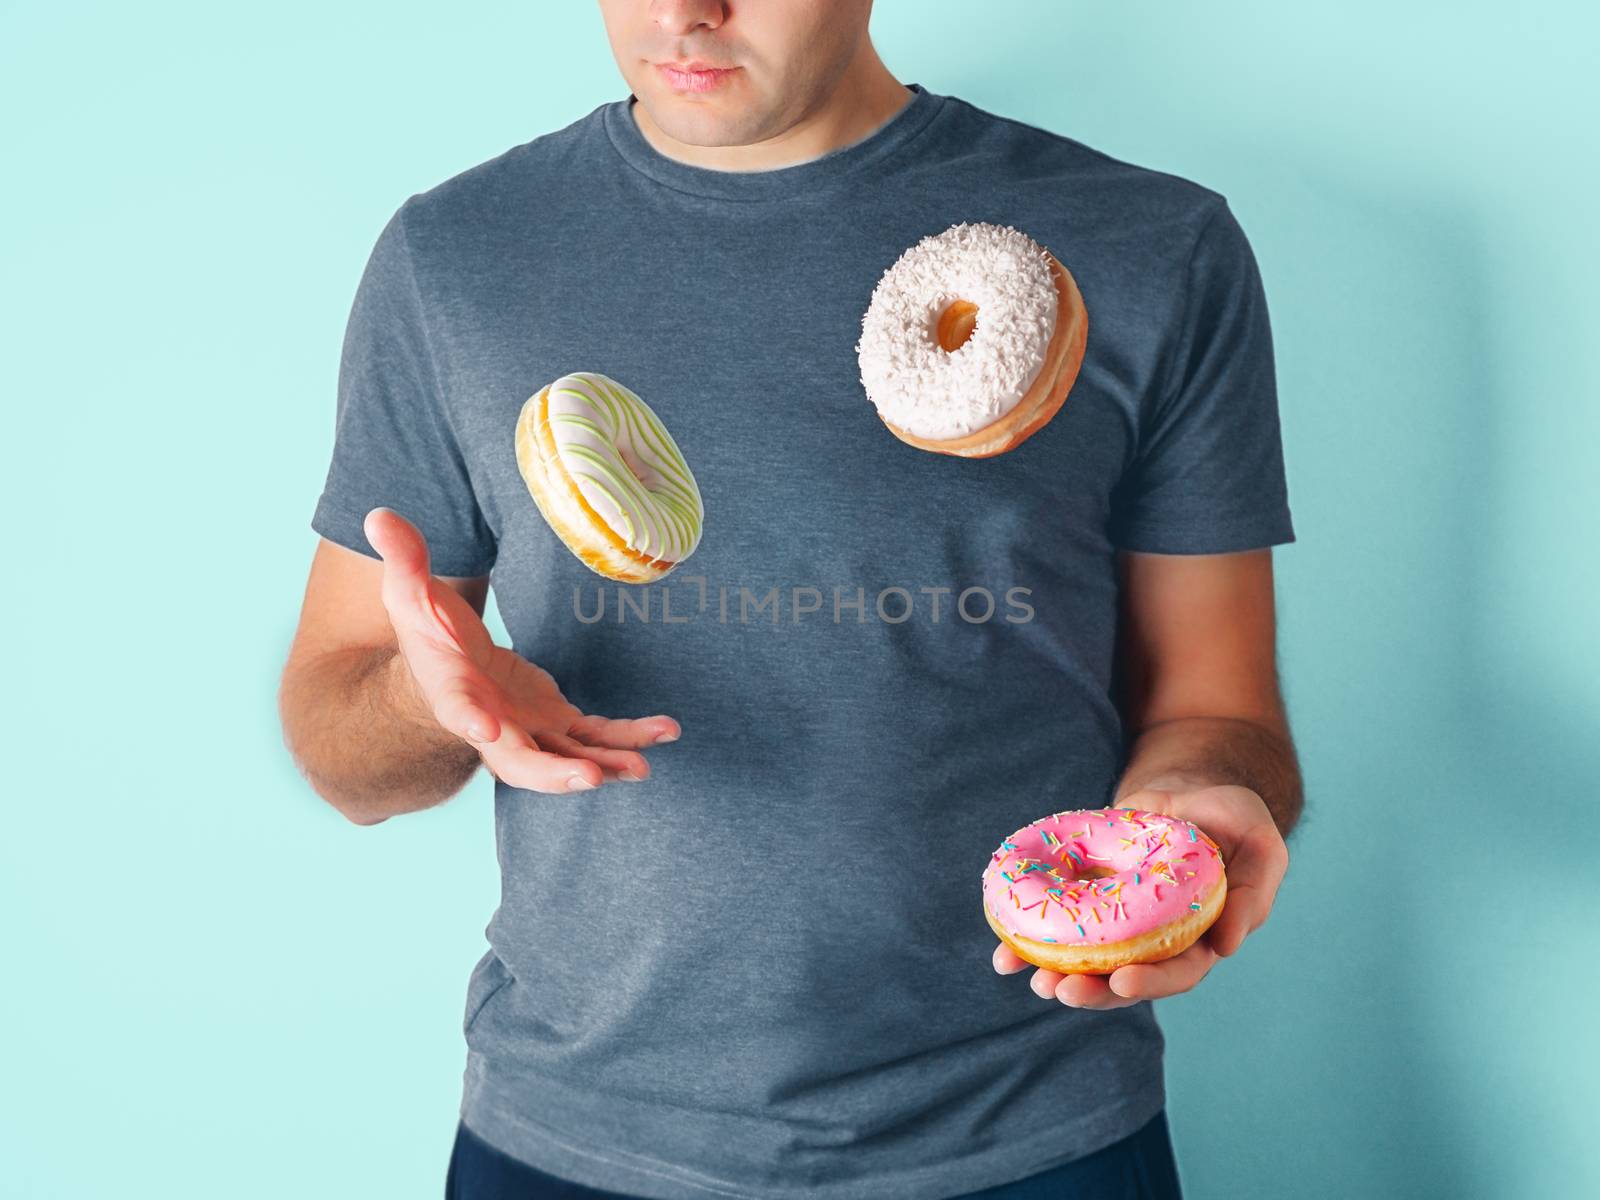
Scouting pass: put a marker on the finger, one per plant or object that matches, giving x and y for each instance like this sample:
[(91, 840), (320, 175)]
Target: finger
[(625, 733), (404, 552), (1007, 961), (1044, 981), (1146, 800), (627, 764), (459, 637), (455, 687), (408, 589), (1257, 868), (1148, 981), (460, 709), (1091, 992), (514, 758), (1243, 912), (1259, 860), (1080, 991)]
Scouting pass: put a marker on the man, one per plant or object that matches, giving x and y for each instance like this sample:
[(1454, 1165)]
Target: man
[(751, 964)]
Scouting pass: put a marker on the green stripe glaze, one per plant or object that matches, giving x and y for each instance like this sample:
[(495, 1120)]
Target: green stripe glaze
[(680, 515), (627, 482), (679, 521), (686, 505), (654, 524), (688, 516), (607, 491), (667, 439), (616, 430), (575, 419), (667, 462), (645, 422), (606, 403), (664, 495), (623, 474), (665, 449), (684, 511), (676, 503), (621, 411)]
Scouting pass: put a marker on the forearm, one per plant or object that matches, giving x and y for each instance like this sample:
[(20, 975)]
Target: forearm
[(365, 738), (1194, 752)]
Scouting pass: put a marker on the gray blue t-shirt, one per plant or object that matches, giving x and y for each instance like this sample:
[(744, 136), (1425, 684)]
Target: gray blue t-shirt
[(765, 971)]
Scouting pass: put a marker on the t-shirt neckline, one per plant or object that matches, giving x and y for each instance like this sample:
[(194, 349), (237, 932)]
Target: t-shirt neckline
[(780, 182)]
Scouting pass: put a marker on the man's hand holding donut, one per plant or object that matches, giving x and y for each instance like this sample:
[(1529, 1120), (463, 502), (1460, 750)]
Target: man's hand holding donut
[(1255, 859), (509, 709)]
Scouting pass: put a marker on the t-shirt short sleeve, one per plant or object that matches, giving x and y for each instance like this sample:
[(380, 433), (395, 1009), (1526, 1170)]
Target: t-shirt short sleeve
[(1208, 474), (393, 441)]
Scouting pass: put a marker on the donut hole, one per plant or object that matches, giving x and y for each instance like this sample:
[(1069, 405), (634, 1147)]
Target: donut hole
[(1092, 873), (956, 323)]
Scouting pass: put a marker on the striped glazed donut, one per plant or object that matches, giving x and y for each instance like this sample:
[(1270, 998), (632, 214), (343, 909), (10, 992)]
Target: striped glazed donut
[(608, 477), (972, 340)]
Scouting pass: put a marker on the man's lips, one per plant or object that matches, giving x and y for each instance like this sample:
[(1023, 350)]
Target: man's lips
[(694, 76)]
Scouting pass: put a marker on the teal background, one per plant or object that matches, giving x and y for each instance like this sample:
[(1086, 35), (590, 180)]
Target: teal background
[(211, 975)]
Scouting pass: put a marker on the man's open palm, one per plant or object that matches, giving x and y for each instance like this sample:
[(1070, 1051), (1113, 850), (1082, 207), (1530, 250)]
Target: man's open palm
[(510, 709)]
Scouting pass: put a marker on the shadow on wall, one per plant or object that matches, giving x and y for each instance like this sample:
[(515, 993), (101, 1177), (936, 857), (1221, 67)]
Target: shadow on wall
[(1372, 1039)]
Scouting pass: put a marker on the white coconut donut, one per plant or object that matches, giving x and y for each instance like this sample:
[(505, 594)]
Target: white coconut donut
[(972, 340), (608, 477)]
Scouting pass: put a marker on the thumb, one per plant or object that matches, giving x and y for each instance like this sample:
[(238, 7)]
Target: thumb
[(1146, 800), (408, 586), (405, 557)]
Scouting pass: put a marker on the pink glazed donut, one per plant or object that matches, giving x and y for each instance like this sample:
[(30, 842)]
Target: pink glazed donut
[(1087, 891)]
